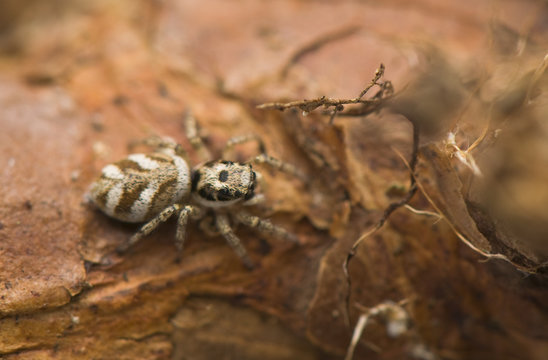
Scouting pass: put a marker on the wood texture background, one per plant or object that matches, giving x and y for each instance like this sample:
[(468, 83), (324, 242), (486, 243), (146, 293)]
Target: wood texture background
[(80, 81)]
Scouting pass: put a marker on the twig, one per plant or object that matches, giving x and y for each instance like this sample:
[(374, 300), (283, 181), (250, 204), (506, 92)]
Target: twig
[(386, 214), (487, 255), (356, 335), (307, 106), (397, 322), (423, 212)]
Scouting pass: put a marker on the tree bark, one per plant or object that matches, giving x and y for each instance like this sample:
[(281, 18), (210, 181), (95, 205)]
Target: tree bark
[(464, 262)]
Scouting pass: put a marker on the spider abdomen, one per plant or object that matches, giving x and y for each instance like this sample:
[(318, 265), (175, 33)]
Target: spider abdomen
[(140, 186)]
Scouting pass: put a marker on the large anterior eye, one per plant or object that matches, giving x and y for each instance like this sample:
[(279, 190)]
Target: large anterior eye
[(224, 195)]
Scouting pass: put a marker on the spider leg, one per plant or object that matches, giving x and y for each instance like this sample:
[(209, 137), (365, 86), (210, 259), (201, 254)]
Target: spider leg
[(158, 142), (259, 178), (243, 139), (223, 225), (278, 165), (255, 200), (191, 129), (186, 212), (208, 226), (154, 141), (150, 226), (263, 158), (265, 226)]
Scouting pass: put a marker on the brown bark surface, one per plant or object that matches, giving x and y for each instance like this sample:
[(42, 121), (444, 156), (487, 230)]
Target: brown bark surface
[(79, 81)]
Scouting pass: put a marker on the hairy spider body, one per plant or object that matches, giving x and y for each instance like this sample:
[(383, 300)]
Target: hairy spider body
[(153, 187), (139, 187)]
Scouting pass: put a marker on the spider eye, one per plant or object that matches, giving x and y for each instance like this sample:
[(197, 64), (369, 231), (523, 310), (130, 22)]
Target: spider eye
[(223, 176), (224, 195), (204, 193)]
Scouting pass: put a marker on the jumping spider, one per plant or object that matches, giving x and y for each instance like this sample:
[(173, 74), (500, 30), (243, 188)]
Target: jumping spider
[(153, 187)]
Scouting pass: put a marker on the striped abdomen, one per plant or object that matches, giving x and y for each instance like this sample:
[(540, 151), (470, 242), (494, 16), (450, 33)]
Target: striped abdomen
[(141, 186)]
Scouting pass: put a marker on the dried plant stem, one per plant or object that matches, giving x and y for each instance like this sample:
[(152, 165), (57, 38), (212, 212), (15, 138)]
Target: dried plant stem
[(356, 335), (468, 243), (422, 212), (386, 214), (390, 311), (463, 238), (309, 105)]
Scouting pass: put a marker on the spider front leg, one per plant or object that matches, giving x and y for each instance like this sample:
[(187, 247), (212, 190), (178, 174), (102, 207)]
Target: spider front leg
[(187, 212), (157, 142), (221, 221), (149, 227), (279, 165), (256, 199), (243, 139), (191, 128), (265, 226), (263, 158)]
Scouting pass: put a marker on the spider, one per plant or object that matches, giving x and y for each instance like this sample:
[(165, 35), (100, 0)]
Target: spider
[(153, 187)]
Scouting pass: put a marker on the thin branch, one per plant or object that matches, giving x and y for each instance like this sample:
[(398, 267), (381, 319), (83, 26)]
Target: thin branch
[(423, 212), (307, 106), (487, 255), (386, 214), (358, 330), (396, 318)]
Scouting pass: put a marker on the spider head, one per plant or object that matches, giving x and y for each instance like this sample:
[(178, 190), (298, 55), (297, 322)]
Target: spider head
[(222, 183)]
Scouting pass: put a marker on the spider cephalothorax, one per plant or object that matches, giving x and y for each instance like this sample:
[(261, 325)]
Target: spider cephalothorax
[(223, 183), (153, 187)]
